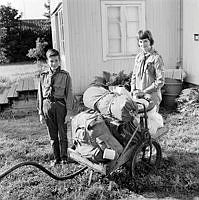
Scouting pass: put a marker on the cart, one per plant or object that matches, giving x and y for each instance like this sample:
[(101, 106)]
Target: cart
[(141, 153)]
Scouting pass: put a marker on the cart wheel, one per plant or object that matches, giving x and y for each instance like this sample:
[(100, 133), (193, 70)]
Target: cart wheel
[(145, 158)]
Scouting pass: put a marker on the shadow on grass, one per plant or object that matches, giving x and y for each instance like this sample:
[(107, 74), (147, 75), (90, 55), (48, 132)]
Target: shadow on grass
[(177, 177)]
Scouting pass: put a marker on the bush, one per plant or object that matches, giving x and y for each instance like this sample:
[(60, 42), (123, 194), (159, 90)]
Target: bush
[(4, 82), (3, 58), (39, 51), (114, 79), (18, 37)]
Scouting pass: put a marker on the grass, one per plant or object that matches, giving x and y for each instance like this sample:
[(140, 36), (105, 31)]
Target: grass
[(18, 63), (25, 139), (16, 71), (4, 82)]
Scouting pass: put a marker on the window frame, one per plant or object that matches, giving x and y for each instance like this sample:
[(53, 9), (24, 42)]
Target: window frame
[(61, 30), (141, 16)]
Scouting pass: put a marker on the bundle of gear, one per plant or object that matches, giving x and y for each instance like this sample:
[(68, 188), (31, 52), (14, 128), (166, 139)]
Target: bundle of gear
[(110, 112)]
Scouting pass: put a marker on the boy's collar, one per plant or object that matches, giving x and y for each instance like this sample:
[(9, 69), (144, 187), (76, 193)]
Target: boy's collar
[(57, 70)]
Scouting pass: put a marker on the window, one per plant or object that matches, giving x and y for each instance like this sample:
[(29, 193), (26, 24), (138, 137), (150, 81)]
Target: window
[(55, 36), (58, 30), (121, 21), (61, 31)]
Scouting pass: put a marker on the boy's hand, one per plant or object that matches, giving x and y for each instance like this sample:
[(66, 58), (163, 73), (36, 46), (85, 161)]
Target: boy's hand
[(41, 119), (68, 118)]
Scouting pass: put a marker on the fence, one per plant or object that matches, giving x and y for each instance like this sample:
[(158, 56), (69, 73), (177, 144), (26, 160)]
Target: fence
[(25, 24)]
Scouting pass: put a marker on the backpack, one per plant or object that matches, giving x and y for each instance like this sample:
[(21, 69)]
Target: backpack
[(91, 136)]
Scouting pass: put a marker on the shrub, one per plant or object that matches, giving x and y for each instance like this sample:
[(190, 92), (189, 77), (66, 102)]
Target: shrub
[(120, 79), (4, 82), (39, 51), (3, 57), (18, 36)]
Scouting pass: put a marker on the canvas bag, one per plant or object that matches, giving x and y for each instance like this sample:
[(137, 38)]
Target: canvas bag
[(110, 103), (90, 133)]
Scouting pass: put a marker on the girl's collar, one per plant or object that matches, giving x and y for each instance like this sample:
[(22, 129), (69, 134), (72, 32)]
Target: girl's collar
[(152, 50)]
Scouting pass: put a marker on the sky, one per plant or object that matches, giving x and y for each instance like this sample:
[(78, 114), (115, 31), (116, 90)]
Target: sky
[(31, 9)]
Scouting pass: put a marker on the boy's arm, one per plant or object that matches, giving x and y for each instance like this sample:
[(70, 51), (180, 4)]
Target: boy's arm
[(40, 99), (69, 96)]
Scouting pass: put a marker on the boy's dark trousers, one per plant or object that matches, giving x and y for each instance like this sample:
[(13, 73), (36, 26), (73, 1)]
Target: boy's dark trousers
[(55, 113)]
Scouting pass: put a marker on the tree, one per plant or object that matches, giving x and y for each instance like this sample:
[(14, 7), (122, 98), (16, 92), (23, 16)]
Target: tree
[(39, 51), (17, 36), (9, 18)]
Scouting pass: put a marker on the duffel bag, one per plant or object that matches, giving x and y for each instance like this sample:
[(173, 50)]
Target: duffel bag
[(91, 136), (116, 105)]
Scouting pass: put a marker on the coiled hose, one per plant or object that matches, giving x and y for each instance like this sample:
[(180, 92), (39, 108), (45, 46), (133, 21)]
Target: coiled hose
[(70, 176)]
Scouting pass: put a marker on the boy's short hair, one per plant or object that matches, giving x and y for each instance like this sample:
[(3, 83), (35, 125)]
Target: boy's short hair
[(52, 52), (145, 35)]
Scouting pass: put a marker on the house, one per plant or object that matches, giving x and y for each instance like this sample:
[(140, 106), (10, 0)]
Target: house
[(100, 35), (190, 40)]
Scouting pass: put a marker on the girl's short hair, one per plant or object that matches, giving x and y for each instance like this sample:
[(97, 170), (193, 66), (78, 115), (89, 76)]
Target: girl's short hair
[(52, 52), (145, 35)]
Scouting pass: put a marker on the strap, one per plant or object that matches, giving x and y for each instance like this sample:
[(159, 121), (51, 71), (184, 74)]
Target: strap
[(111, 102)]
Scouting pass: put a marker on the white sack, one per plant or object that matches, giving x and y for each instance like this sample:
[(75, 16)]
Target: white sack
[(155, 120)]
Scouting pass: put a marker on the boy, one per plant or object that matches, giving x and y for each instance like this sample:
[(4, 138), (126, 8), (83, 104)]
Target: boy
[(55, 104)]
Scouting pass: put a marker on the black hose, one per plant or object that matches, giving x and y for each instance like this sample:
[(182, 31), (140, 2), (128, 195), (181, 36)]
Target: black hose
[(70, 176)]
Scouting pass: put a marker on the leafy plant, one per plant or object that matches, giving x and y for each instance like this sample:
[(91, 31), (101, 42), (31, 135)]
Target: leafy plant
[(120, 79), (3, 57), (4, 82), (39, 51)]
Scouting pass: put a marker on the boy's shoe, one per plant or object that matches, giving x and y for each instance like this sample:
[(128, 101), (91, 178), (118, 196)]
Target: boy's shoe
[(64, 162), (67, 161), (55, 162)]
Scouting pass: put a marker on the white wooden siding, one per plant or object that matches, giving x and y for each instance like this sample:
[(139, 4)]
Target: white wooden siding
[(191, 47), (53, 27), (86, 44), (162, 18), (67, 63)]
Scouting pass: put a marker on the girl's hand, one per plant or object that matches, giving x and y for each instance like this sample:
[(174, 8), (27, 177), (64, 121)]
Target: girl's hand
[(41, 119), (138, 94), (147, 97)]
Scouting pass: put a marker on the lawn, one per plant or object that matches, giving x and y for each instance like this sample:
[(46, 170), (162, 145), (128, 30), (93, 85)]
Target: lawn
[(18, 70), (26, 140)]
